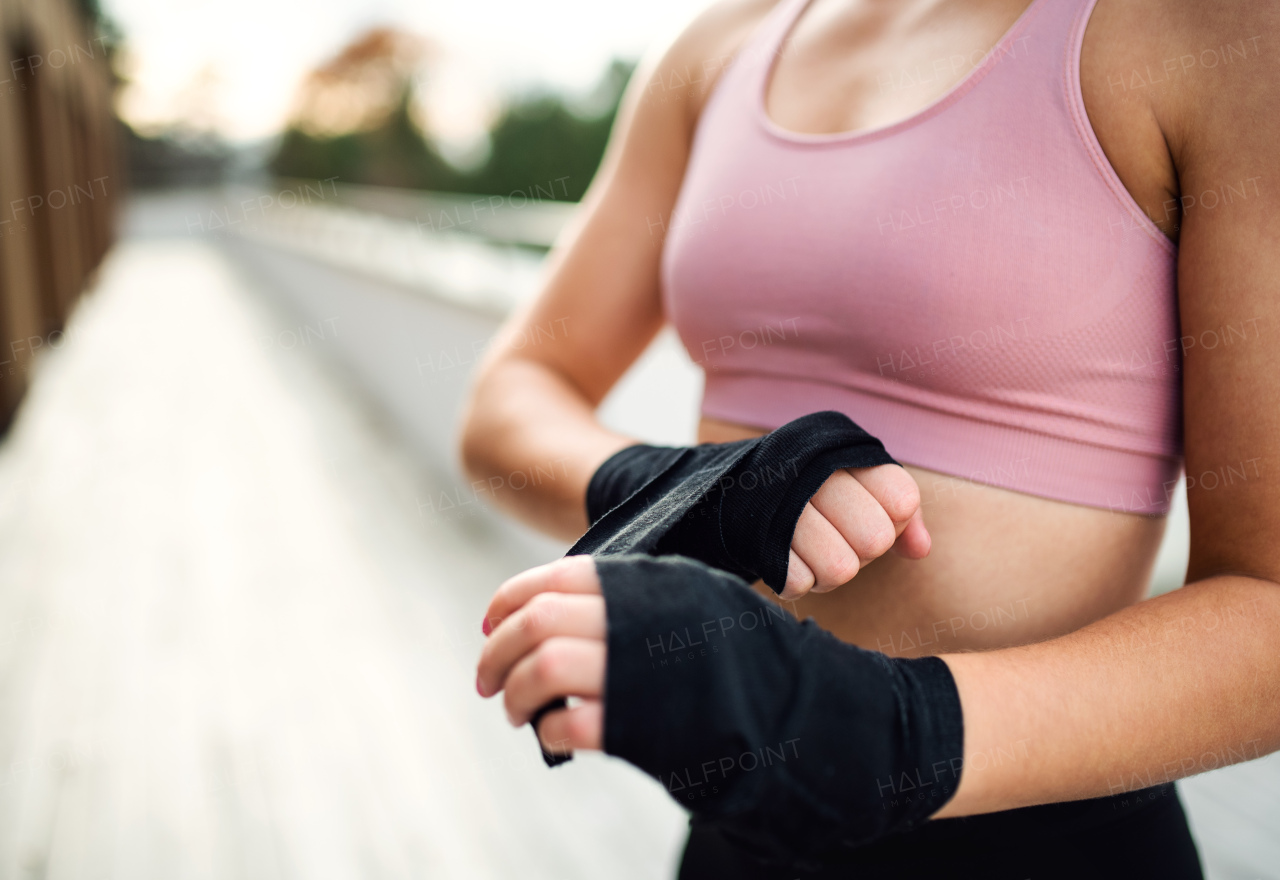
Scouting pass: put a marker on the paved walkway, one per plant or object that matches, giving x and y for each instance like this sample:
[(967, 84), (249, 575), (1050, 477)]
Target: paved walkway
[(231, 646)]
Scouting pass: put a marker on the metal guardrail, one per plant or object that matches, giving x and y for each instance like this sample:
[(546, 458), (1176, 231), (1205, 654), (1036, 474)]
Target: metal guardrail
[(490, 264), (530, 216)]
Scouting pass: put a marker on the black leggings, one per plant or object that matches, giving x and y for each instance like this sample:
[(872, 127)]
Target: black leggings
[(1138, 834)]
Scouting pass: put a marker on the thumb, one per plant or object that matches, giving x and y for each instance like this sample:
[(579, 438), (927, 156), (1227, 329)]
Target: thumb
[(914, 541)]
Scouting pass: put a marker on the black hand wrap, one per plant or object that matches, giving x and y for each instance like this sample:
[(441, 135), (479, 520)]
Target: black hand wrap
[(733, 506), (790, 740)]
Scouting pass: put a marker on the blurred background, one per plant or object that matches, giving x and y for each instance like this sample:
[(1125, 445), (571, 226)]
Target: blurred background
[(250, 252)]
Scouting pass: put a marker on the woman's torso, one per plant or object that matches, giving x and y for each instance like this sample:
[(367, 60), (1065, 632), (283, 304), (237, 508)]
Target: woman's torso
[(1006, 567)]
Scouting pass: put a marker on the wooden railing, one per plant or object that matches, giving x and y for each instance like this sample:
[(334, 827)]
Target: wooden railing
[(58, 177)]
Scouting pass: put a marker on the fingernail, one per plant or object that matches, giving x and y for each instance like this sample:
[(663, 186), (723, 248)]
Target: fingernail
[(484, 626), (479, 688)]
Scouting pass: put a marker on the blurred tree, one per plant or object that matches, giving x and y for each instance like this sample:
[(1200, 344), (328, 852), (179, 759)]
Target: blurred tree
[(541, 138), (90, 10), (353, 120), (170, 158), (392, 153), (173, 158), (189, 149)]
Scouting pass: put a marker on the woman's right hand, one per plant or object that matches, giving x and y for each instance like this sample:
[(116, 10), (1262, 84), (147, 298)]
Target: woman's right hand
[(803, 507), (855, 517)]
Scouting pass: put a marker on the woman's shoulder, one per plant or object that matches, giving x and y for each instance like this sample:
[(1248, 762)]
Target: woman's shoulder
[(1185, 59), (691, 64)]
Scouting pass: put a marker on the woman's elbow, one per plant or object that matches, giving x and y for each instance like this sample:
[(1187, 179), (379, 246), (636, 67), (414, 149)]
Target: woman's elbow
[(475, 431)]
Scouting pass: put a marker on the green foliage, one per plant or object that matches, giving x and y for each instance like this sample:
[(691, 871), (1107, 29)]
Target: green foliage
[(541, 140), (394, 154), (91, 10), (100, 25), (172, 158), (537, 139)]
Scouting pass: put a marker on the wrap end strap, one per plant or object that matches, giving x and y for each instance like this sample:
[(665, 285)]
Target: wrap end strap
[(623, 474), (732, 505)]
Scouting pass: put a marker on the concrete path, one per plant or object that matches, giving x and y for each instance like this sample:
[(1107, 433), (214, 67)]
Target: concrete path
[(234, 646)]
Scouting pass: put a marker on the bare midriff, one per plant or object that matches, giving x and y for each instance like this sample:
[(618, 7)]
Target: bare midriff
[(1005, 568)]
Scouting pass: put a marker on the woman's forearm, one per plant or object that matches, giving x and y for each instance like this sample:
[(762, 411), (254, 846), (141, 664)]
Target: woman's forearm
[(531, 442), (1164, 689)]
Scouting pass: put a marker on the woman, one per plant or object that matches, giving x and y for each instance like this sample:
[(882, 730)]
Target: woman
[(1031, 248)]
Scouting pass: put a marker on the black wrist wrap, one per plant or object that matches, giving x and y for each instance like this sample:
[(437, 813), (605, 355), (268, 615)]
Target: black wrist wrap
[(733, 506), (790, 740), (624, 473)]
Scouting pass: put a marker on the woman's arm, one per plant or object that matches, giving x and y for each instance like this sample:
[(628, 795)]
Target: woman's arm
[(532, 409), (1165, 689), (1190, 680), (533, 404)]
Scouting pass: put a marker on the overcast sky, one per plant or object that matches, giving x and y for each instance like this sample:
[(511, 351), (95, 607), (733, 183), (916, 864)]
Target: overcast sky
[(247, 56)]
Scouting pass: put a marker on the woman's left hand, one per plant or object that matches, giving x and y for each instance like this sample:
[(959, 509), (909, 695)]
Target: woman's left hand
[(546, 629)]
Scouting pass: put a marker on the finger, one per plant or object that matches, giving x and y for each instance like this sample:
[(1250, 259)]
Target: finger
[(824, 550), (856, 515), (915, 540), (573, 574), (894, 490), (544, 616), (800, 578), (559, 667), (578, 727)]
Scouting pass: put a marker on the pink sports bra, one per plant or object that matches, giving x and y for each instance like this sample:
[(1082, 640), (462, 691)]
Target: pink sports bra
[(973, 285)]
